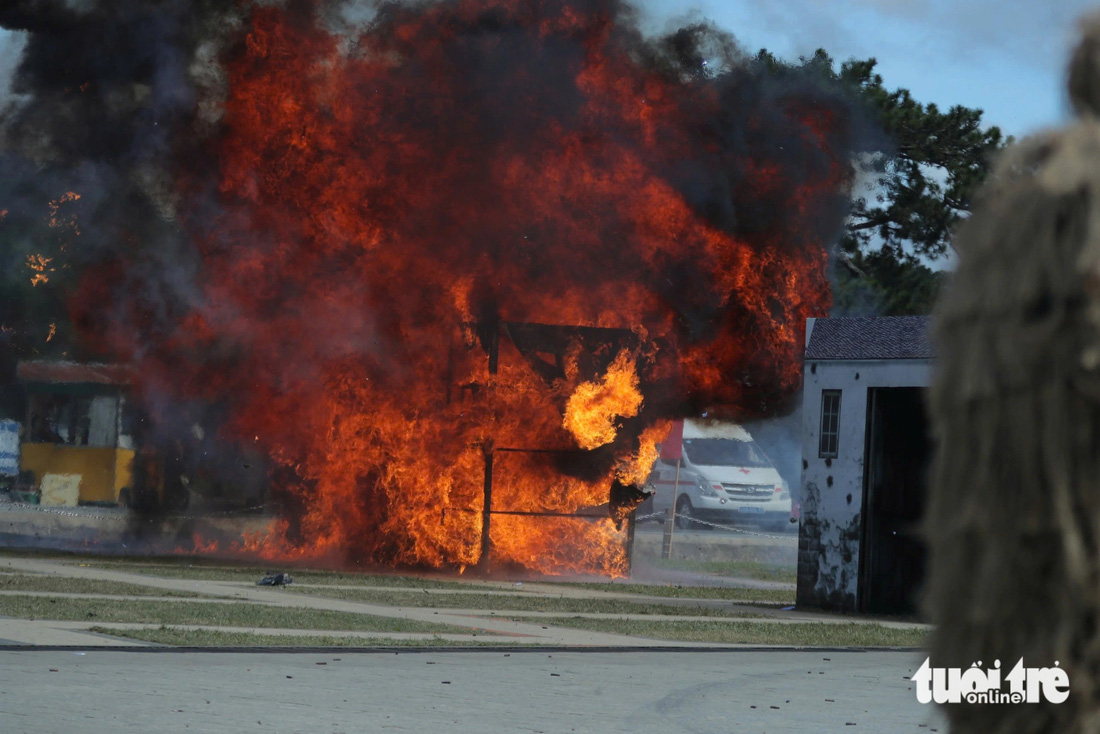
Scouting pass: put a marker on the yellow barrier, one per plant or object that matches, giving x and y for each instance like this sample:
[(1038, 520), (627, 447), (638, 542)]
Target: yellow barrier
[(103, 470)]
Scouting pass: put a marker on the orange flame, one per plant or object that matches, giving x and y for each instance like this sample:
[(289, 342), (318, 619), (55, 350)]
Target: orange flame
[(40, 265), (57, 221), (635, 469), (593, 407), (390, 200)]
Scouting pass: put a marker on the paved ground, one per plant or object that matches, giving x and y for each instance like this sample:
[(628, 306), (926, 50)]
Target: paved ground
[(115, 692)]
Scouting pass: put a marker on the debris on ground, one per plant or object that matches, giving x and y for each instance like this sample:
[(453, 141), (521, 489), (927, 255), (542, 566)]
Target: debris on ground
[(278, 579)]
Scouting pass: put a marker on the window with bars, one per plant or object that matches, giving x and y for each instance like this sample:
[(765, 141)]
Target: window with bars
[(830, 424)]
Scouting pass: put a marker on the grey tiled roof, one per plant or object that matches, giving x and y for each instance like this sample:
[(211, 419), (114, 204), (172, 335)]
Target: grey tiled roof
[(881, 337)]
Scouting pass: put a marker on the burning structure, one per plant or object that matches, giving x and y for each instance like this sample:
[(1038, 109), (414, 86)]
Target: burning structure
[(389, 242)]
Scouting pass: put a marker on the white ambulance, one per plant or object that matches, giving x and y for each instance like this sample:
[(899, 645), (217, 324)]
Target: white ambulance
[(724, 478)]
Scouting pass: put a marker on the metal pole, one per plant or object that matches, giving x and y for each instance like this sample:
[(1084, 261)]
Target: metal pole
[(670, 517), (493, 348), (630, 543), (118, 436), (666, 540), (486, 511)]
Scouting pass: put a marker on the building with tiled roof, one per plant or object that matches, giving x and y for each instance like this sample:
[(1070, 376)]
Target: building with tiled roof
[(883, 337), (865, 449)]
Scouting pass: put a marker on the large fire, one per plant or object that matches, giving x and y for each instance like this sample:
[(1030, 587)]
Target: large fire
[(396, 205)]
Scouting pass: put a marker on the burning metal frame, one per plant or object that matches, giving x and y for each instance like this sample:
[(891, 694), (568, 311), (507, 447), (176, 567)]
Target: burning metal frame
[(532, 340)]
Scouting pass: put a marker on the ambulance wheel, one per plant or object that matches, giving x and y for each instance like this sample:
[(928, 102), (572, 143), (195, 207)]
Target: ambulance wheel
[(685, 514)]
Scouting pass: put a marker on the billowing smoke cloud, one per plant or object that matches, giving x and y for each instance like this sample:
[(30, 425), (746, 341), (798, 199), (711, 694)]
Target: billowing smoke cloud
[(316, 216), (105, 99)]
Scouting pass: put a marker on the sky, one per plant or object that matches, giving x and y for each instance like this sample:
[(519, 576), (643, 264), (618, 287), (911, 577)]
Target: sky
[(10, 46), (1006, 57)]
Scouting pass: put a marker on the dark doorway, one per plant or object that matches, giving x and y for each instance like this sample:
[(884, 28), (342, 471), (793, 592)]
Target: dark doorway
[(898, 450)]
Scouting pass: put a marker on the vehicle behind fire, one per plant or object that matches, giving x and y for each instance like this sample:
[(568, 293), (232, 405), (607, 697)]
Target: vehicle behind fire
[(75, 447), (87, 441), (723, 477)]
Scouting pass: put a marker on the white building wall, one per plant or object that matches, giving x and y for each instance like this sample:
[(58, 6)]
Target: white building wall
[(832, 489)]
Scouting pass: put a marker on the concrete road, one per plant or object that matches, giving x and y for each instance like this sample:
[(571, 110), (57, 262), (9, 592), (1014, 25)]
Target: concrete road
[(115, 692)]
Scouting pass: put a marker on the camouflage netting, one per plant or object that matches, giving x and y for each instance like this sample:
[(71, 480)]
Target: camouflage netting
[(1013, 522)]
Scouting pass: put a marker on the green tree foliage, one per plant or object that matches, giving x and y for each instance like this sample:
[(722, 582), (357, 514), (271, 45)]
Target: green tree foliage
[(919, 173), (925, 173), (878, 283)]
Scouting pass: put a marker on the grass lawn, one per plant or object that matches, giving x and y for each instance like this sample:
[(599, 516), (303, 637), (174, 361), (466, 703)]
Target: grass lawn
[(770, 596), (200, 570), (211, 638), (808, 634), (205, 570), (236, 614), (727, 625), (517, 603), (63, 585), (761, 570)]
